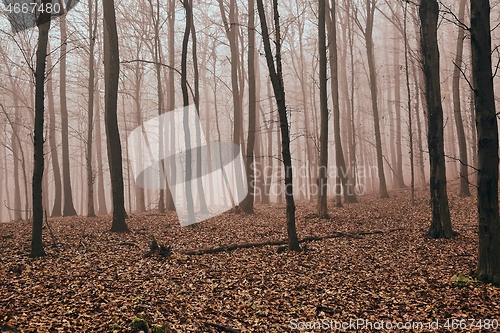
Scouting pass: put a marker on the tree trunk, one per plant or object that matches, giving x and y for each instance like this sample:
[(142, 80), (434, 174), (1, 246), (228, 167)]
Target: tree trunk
[(185, 99), (56, 208), (342, 169), (322, 208), (279, 93), (420, 148), (457, 110), (408, 101), (111, 75), (38, 165), (170, 206), (247, 204), (441, 223), (370, 11), (397, 106), (69, 208), (90, 125), (488, 267), (101, 194)]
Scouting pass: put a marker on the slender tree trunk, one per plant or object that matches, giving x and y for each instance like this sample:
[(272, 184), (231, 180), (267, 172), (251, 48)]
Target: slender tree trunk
[(370, 11), (16, 147), (56, 209), (408, 97), (488, 267), (247, 204), (101, 194), (322, 208), (90, 125), (441, 223), (170, 206), (185, 99), (68, 206), (38, 165), (342, 170), (111, 76), (420, 148), (457, 110), (279, 93), (397, 106)]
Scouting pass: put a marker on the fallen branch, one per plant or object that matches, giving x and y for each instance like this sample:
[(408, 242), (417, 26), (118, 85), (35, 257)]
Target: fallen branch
[(222, 328), (231, 247)]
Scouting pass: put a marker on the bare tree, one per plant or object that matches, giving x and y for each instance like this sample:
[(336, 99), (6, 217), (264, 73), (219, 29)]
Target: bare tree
[(247, 204), (111, 75), (441, 222), (276, 75), (488, 266), (322, 208), (457, 110), (342, 170), (368, 36), (43, 24), (68, 206), (90, 125)]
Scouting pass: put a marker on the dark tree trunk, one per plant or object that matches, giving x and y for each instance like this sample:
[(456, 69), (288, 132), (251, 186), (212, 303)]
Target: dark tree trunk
[(488, 267), (171, 90), (457, 110), (441, 223), (38, 165), (322, 208), (185, 99), (111, 75), (279, 92)]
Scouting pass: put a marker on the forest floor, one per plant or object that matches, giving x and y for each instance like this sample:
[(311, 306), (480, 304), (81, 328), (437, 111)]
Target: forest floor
[(378, 267)]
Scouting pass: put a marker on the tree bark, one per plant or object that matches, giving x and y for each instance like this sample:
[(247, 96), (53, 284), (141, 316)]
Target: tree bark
[(90, 125), (38, 163), (370, 12), (279, 93), (68, 206), (457, 110), (247, 204), (56, 208), (322, 208), (111, 75), (488, 267), (342, 169), (441, 223)]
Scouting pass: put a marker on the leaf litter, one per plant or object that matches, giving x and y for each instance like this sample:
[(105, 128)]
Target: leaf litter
[(381, 267)]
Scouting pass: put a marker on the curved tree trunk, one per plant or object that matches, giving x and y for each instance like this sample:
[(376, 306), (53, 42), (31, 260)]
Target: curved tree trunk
[(457, 110), (279, 93), (111, 75)]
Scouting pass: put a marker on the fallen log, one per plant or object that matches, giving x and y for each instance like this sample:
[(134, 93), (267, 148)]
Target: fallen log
[(232, 247)]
